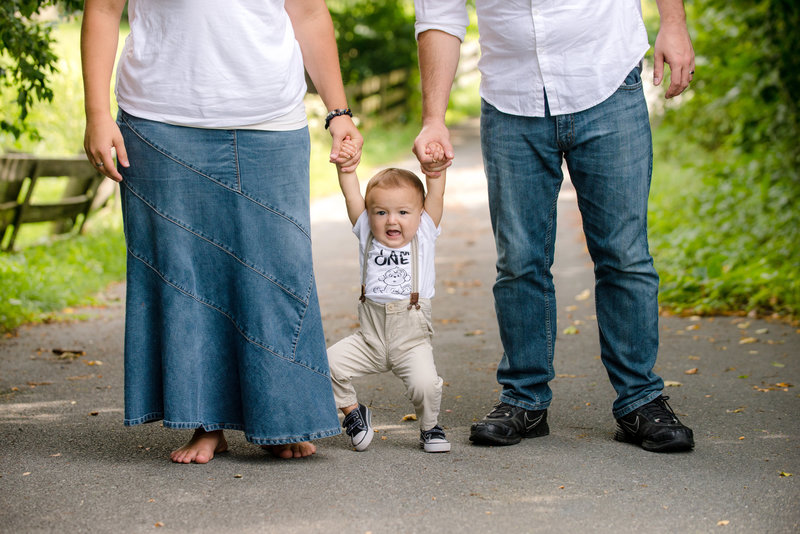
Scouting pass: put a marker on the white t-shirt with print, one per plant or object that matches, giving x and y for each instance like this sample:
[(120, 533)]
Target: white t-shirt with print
[(389, 270)]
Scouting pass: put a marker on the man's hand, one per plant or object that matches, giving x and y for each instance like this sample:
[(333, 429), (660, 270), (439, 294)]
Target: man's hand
[(433, 159), (674, 47)]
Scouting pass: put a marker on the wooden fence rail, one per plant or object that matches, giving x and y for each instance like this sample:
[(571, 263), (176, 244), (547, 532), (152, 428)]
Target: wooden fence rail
[(22, 174)]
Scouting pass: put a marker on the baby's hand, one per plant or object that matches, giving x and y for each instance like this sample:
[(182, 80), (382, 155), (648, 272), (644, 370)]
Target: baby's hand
[(435, 151), (348, 149)]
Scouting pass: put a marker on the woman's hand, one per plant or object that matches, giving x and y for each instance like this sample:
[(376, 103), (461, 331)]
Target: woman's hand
[(101, 140)]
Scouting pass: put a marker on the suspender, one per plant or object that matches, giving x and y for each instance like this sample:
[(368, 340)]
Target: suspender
[(414, 297)]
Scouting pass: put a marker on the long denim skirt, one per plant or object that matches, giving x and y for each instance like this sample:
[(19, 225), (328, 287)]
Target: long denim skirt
[(223, 329)]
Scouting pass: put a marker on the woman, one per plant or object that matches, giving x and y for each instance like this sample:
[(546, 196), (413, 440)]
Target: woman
[(223, 329)]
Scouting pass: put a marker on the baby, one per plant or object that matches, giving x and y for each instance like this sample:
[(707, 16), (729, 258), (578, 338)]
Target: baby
[(397, 224)]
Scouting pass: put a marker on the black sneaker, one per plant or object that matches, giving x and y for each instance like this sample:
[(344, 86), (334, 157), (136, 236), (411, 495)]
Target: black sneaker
[(434, 440), (507, 425), (655, 427), (357, 425)]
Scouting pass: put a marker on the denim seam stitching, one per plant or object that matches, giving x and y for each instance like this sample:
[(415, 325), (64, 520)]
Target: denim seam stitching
[(547, 261), (235, 150), (299, 328), (214, 180), (248, 337), (633, 87), (222, 247), (293, 439)]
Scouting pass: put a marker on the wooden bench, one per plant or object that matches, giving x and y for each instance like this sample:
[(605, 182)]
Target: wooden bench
[(20, 174)]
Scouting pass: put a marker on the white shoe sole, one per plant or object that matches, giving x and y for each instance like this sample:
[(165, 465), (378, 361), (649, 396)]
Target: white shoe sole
[(436, 447), (362, 440)]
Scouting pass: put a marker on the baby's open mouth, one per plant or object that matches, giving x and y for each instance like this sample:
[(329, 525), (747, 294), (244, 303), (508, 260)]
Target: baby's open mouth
[(392, 233)]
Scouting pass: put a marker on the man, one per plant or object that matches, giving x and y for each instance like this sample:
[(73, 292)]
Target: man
[(563, 81)]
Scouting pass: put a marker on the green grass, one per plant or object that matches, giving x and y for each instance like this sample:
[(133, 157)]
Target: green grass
[(718, 245), (38, 282)]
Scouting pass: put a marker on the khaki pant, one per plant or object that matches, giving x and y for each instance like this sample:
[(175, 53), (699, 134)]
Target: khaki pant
[(391, 338)]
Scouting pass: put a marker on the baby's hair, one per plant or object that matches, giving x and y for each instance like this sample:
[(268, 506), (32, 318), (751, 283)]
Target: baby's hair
[(392, 177)]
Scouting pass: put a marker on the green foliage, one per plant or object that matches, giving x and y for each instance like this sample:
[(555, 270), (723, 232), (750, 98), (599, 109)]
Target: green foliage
[(60, 121), (727, 238), (718, 249), (26, 57), (374, 37), (44, 279)]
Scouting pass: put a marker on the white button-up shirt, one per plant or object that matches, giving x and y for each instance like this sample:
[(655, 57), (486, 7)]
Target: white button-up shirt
[(578, 51)]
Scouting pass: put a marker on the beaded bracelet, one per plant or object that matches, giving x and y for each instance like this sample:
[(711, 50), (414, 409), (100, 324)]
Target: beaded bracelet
[(337, 113)]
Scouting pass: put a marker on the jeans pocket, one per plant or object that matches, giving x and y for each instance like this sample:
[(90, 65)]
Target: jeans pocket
[(633, 81)]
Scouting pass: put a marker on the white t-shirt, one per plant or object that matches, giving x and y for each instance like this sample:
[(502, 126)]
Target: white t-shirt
[(211, 64), (389, 270), (580, 51)]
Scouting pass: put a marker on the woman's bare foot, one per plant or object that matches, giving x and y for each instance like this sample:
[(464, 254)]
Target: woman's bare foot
[(291, 450), (201, 448)]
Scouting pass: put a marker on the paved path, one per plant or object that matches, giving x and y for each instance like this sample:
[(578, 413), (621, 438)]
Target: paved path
[(67, 464)]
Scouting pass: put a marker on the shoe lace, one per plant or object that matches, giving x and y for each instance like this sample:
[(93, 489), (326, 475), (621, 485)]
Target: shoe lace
[(659, 411), (354, 423), (500, 409), (434, 433)]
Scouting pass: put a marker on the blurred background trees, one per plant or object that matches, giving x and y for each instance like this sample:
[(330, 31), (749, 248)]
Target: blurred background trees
[(27, 58)]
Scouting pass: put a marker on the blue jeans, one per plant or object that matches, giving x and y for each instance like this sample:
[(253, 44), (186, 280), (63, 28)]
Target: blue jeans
[(608, 150)]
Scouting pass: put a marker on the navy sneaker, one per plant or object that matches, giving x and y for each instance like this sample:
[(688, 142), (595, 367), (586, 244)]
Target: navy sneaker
[(357, 425), (434, 440), (655, 427), (507, 425)]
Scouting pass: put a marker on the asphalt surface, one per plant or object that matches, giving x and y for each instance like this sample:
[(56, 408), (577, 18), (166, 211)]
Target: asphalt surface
[(67, 464)]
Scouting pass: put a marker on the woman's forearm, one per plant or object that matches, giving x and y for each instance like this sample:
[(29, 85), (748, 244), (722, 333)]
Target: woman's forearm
[(99, 39)]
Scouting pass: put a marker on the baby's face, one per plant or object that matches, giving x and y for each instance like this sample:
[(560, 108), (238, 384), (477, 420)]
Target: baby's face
[(394, 214)]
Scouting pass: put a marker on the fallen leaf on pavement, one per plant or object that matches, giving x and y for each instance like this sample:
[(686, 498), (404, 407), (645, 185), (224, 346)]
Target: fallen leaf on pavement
[(69, 354), (410, 417), (784, 474), (672, 384), (583, 295), (474, 333), (723, 523), (692, 371), (747, 340), (571, 330)]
